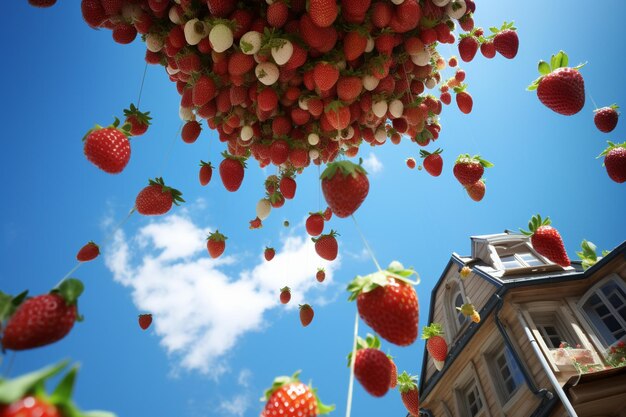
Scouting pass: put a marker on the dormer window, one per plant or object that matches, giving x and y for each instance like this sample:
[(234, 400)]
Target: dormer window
[(520, 260)]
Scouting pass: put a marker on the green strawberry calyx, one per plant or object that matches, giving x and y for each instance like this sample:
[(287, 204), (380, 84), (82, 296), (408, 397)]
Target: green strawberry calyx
[(125, 129), (344, 167), (588, 255), (281, 381), (407, 382), (69, 289), (370, 342), (285, 289), (505, 26), (612, 107), (535, 223), (206, 164), (367, 283), (425, 154), (332, 234), (142, 117), (433, 330), (177, 196), (610, 148), (476, 159), (9, 304), (269, 249), (240, 159), (467, 309), (558, 60), (216, 237)]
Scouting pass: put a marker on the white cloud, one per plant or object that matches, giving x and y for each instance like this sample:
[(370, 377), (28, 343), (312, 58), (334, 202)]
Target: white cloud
[(235, 406), (170, 275), (244, 377), (372, 164)]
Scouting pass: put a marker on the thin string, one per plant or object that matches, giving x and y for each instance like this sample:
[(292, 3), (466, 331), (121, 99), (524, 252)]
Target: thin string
[(143, 79), (352, 360), (367, 246), (593, 101), (7, 372), (319, 189), (169, 151)]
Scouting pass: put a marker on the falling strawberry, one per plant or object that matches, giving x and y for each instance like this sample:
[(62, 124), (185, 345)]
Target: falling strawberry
[(256, 223), (216, 243), (269, 253), (606, 118), (157, 198), (320, 275), (477, 190), (615, 161), (328, 214), (407, 384), (410, 162), (287, 187), (433, 163), (469, 169), (108, 148), (468, 46), (546, 240), (372, 368), (88, 252), (464, 100), (41, 320), (306, 314), (232, 171), (345, 186), (288, 397), (326, 246), (285, 295), (145, 320), (42, 3), (560, 88), (191, 131), (394, 373), (138, 121), (436, 345), (387, 302), (315, 224), (206, 172), (505, 40)]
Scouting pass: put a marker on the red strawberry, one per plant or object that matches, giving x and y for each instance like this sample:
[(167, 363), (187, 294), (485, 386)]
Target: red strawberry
[(328, 214), (349, 88), (394, 373), (436, 345), (277, 14), (287, 187), (338, 115), (256, 223), (306, 314), (326, 246), (88, 252), (325, 75), (267, 99), (388, 304), (288, 397), (108, 148), (345, 186), (468, 170), (269, 253), (606, 118), (221, 8), (285, 295), (615, 161), (145, 320), (433, 163), (320, 275), (43, 319), (409, 394), (410, 162), (276, 199), (372, 368), (477, 190), (42, 3), (315, 224), (354, 44), (232, 171), (463, 99), (93, 12), (488, 49), (323, 12), (468, 46), (279, 151), (203, 90), (206, 172), (190, 132), (30, 406), (216, 243), (137, 120), (506, 41), (157, 198), (546, 240), (124, 33), (560, 88)]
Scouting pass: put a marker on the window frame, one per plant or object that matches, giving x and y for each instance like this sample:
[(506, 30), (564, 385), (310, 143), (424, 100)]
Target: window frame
[(515, 247), (454, 286), (466, 380)]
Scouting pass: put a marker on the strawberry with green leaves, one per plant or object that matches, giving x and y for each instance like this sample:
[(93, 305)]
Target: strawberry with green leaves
[(615, 161), (232, 171), (216, 244), (546, 240), (464, 100), (88, 252), (108, 148), (560, 88), (436, 345), (157, 198), (145, 320), (387, 302), (320, 275), (606, 118), (372, 368), (407, 384), (41, 320), (287, 186), (326, 246), (433, 163), (315, 224), (323, 12), (505, 40), (138, 121), (469, 169), (468, 46), (206, 172), (288, 397), (345, 186)]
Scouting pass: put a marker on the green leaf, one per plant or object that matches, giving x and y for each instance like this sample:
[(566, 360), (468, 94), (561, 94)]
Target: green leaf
[(63, 392), (70, 289), (13, 390), (544, 68)]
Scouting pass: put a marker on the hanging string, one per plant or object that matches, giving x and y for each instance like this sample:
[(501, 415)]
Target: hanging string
[(593, 101), (352, 360), (367, 246), (7, 372), (167, 158), (319, 189), (143, 79)]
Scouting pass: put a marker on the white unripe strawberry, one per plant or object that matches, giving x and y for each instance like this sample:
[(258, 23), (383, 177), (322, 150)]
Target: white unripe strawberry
[(440, 3), (174, 15), (153, 42), (369, 46), (283, 52), (422, 58), (396, 108), (195, 31), (456, 9), (267, 72), (379, 108), (380, 135), (370, 82), (246, 133), (250, 42), (172, 71), (302, 103), (313, 139), (263, 208), (221, 37), (314, 154), (186, 113)]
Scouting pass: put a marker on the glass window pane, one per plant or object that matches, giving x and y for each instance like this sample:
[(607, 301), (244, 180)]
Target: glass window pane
[(602, 310), (616, 300), (612, 323), (531, 259), (594, 299), (609, 288), (510, 262)]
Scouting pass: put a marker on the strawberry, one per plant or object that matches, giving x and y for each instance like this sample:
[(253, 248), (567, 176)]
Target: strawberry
[(306, 314), (463, 99), (41, 320), (108, 148), (206, 172), (93, 12), (287, 187), (277, 14), (387, 302), (88, 252), (328, 214), (433, 163), (221, 8), (320, 275), (269, 253), (394, 373), (285, 295), (288, 397), (409, 394), (232, 171), (138, 121), (145, 320), (326, 246), (410, 162), (477, 190), (315, 224), (468, 46), (615, 161), (488, 49), (345, 186), (560, 88), (215, 244), (337, 114), (157, 198), (606, 118), (546, 240), (372, 368), (256, 223), (505, 40), (323, 12), (436, 345), (203, 90), (42, 3), (468, 170), (124, 33), (354, 45), (190, 131), (30, 406), (349, 88), (279, 151), (325, 75)]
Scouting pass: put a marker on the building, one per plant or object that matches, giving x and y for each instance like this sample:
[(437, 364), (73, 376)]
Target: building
[(548, 342)]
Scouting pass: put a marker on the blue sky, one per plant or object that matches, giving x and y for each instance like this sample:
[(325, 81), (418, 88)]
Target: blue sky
[(215, 357)]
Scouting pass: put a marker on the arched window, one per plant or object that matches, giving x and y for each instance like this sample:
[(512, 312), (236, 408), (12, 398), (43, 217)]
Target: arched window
[(455, 297), (604, 307)]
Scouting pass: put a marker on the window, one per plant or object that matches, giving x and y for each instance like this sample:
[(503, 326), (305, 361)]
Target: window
[(520, 260), (605, 308), (458, 302), (472, 400), (468, 393), (453, 298), (507, 374), (553, 329)]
